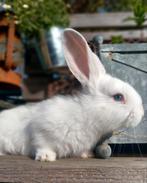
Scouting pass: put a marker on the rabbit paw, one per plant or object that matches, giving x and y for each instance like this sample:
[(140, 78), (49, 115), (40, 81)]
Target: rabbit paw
[(87, 154), (45, 155)]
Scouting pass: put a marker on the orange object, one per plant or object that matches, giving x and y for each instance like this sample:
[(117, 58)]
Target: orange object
[(17, 54), (10, 77), (2, 46), (10, 45), (7, 75)]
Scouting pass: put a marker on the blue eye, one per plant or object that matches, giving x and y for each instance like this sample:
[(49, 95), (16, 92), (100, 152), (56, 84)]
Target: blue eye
[(118, 97)]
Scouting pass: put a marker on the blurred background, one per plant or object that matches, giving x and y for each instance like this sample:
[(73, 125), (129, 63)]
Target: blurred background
[(32, 65)]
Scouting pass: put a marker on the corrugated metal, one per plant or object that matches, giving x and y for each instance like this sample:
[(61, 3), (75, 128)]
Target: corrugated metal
[(129, 63)]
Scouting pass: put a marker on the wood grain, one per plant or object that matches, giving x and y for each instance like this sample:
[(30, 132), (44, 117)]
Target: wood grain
[(107, 25), (113, 170), (108, 34), (102, 20)]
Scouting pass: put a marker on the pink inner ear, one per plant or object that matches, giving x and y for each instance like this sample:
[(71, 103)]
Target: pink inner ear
[(78, 49)]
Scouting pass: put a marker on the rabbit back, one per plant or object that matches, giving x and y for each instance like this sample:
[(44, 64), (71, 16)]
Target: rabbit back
[(58, 123), (63, 126)]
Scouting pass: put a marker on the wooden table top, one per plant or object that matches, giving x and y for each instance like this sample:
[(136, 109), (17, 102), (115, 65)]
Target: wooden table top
[(114, 170)]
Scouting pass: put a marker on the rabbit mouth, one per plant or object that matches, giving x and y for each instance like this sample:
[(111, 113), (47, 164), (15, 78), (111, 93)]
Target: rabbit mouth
[(132, 120), (126, 123)]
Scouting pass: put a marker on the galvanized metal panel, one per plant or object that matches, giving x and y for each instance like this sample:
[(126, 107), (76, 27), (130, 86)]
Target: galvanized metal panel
[(129, 63), (124, 48)]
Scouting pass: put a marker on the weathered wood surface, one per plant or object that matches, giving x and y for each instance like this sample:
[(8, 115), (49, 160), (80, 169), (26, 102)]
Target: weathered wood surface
[(113, 170), (102, 20), (108, 34), (107, 25)]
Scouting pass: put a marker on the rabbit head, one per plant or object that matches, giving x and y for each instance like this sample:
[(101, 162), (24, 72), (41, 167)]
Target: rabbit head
[(116, 102)]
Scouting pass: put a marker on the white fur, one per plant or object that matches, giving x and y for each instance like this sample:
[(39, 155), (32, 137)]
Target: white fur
[(71, 125)]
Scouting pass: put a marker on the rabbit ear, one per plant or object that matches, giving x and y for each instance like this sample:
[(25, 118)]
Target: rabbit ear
[(82, 62)]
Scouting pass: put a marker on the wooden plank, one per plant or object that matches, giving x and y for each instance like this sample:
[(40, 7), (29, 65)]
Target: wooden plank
[(103, 24), (113, 170), (101, 20), (107, 34)]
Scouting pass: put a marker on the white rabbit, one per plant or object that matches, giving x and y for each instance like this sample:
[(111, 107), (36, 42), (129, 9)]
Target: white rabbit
[(66, 126)]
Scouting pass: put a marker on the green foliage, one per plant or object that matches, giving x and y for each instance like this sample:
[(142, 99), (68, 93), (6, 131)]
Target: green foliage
[(34, 15), (120, 5), (117, 39), (91, 6), (139, 13)]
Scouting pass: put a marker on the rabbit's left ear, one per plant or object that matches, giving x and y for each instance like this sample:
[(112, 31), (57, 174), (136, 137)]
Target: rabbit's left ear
[(82, 62)]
